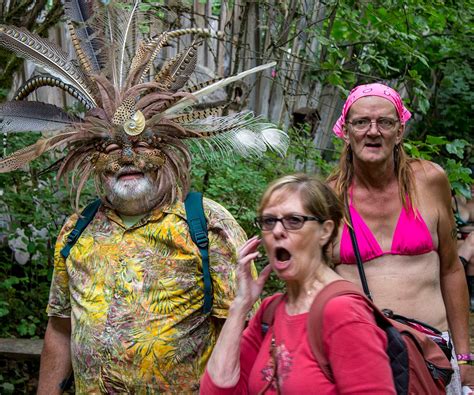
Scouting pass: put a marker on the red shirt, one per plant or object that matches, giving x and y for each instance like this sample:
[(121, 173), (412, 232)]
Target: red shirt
[(354, 345)]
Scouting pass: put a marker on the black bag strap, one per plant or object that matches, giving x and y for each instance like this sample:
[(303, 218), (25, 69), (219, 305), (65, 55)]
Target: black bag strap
[(198, 228), (355, 246), (86, 217)]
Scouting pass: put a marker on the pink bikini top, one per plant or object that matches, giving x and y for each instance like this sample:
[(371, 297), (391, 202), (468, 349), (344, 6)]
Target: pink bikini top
[(411, 237)]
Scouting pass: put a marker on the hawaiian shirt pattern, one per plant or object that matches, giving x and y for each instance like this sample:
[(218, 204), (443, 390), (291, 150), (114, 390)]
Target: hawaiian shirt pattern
[(135, 297)]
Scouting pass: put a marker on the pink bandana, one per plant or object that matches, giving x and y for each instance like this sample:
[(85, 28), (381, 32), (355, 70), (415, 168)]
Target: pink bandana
[(371, 90)]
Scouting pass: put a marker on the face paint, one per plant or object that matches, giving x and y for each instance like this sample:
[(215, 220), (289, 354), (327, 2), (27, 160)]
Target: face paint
[(147, 160)]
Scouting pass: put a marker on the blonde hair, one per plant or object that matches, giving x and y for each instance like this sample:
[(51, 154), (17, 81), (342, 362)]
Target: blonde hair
[(316, 197)]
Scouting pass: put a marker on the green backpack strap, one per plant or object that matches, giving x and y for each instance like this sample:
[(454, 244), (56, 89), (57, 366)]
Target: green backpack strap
[(198, 228), (86, 216)]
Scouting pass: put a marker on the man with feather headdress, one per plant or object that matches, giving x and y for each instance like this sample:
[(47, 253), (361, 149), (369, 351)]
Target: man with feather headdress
[(125, 305)]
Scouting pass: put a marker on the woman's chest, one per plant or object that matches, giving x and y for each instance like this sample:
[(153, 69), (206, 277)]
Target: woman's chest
[(286, 364)]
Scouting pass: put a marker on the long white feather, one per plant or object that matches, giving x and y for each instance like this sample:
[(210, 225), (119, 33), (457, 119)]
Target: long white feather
[(184, 102), (128, 26), (237, 134)]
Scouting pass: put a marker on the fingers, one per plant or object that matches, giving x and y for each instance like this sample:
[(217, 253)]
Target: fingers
[(248, 251), (264, 274), (249, 246)]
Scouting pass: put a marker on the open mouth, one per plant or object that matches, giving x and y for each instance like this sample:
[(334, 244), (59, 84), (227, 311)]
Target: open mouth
[(282, 254), (373, 145), (129, 174)]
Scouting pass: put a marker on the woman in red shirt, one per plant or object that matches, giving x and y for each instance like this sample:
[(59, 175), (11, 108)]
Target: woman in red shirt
[(299, 217)]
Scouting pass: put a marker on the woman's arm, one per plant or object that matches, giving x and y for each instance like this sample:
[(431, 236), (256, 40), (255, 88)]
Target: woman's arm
[(223, 367)]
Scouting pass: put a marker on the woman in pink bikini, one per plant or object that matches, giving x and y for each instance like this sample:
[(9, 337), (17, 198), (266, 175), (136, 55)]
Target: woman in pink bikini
[(402, 218)]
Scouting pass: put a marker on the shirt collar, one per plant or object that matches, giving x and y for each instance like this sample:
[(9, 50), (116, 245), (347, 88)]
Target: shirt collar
[(176, 208)]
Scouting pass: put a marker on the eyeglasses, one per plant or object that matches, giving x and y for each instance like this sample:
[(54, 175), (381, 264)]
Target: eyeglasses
[(364, 124), (289, 222)]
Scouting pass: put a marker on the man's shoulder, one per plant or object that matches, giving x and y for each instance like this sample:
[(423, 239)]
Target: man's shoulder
[(216, 211), (212, 210), (217, 216), (429, 173), (97, 217), (219, 220), (70, 222), (426, 168)]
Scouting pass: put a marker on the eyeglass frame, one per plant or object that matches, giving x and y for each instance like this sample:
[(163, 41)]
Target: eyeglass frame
[(376, 121), (305, 218)]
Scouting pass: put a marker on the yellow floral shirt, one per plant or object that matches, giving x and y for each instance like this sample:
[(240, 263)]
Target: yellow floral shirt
[(135, 299)]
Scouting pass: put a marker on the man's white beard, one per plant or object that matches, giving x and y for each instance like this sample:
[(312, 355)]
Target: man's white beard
[(131, 189), (132, 197)]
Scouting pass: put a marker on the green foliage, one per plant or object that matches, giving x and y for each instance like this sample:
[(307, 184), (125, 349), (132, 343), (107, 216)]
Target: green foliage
[(424, 46), (18, 377), (449, 155), (32, 210)]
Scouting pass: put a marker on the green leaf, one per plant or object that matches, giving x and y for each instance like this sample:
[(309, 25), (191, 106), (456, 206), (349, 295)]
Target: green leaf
[(324, 41), (3, 311), (9, 282), (335, 79), (423, 104), (31, 247), (457, 148), (436, 140), (8, 388)]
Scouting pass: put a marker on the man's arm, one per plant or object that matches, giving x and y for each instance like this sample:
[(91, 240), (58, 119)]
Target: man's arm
[(55, 367), (452, 279)]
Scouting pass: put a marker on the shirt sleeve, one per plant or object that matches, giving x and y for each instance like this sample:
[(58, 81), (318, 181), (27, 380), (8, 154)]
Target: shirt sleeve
[(59, 304), (226, 236), (356, 348)]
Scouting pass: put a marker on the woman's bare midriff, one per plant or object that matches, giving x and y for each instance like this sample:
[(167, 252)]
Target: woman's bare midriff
[(408, 285)]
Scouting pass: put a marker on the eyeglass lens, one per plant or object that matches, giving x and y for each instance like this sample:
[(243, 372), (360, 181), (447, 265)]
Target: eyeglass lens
[(364, 124), (291, 222)]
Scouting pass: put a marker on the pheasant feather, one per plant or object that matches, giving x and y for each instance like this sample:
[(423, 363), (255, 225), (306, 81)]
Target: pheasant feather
[(216, 85), (26, 116), (176, 73), (127, 29), (45, 54), (83, 37), (242, 133), (38, 81), (108, 76)]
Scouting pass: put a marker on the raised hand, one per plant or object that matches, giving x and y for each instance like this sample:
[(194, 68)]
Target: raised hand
[(249, 289)]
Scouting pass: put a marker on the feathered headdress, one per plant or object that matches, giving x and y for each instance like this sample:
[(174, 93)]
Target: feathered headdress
[(110, 77)]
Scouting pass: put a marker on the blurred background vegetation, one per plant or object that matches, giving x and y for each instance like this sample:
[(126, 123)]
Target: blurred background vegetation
[(426, 48)]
